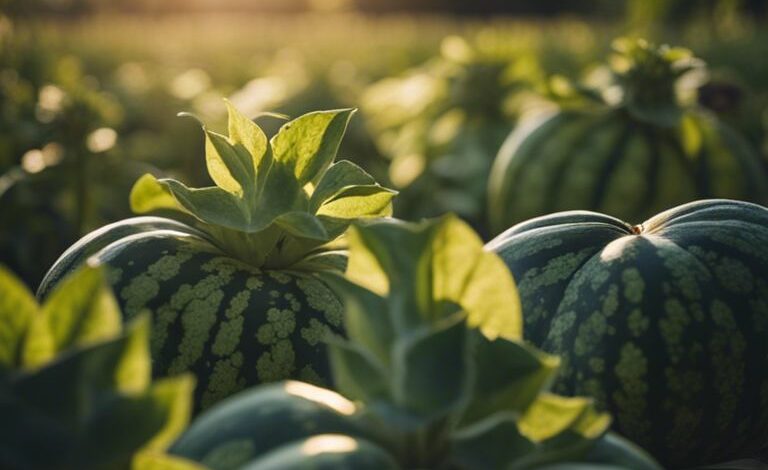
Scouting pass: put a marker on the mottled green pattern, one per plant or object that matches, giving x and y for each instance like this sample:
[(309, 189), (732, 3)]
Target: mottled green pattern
[(228, 323), (666, 329), (608, 162)]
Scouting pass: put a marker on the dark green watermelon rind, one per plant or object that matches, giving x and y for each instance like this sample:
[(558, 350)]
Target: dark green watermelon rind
[(230, 324), (95, 241), (605, 161), (596, 303), (262, 419)]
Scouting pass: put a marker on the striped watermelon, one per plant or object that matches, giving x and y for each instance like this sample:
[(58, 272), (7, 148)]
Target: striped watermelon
[(631, 159), (665, 324), (231, 287)]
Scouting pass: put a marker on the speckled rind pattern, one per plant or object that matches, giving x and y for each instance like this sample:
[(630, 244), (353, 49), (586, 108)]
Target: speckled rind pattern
[(228, 323), (667, 329)]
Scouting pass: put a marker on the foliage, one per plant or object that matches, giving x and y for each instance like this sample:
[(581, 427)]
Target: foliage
[(75, 389), (434, 366), (274, 201), (441, 124)]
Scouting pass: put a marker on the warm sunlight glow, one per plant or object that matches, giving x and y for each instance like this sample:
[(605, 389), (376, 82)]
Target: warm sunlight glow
[(328, 444), (322, 396)]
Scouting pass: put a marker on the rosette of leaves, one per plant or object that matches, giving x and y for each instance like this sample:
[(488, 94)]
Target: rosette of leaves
[(631, 143), (433, 374), (229, 282), (442, 124), (75, 387)]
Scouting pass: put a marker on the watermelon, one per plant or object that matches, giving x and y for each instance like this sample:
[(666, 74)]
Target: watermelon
[(417, 297), (631, 157), (230, 283), (664, 323)]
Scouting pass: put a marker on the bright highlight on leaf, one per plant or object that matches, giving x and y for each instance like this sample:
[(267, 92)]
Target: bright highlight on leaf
[(285, 195), (436, 264)]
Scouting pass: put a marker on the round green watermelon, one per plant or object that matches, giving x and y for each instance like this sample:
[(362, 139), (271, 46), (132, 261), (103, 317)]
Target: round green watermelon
[(230, 283), (630, 157), (665, 323), (227, 322)]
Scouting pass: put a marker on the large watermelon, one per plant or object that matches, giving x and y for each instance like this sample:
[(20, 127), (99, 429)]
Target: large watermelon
[(664, 323), (630, 154), (230, 286)]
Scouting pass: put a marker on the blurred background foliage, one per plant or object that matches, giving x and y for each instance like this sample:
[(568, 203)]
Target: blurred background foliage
[(89, 90)]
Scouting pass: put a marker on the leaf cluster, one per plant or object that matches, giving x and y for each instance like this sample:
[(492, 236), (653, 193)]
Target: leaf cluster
[(75, 386), (277, 200)]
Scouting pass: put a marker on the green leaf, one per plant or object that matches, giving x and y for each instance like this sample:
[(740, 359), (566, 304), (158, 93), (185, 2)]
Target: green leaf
[(174, 396), (509, 377), (149, 195), (431, 372), (339, 176), (63, 390), (244, 133), (231, 170), (390, 257), (551, 415), (492, 444), (211, 205), (284, 196), (133, 372), (302, 225), (18, 310), (365, 317), (614, 449), (477, 280), (309, 143), (355, 373), (81, 311), (431, 264), (359, 202)]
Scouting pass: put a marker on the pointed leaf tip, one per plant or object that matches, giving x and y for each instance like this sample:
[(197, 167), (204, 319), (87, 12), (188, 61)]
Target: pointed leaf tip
[(309, 143), (148, 195), (187, 114)]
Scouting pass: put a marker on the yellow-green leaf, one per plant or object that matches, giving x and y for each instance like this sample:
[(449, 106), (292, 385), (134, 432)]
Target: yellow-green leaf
[(225, 166), (359, 202), (244, 132), (309, 143), (478, 280), (149, 460), (81, 311), (551, 415), (149, 195), (134, 371), (18, 309), (175, 395)]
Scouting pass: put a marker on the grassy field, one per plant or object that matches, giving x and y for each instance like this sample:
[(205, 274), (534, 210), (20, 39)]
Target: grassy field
[(85, 98)]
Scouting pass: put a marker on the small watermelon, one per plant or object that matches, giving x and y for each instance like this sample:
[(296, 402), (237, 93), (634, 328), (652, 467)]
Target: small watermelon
[(631, 149), (665, 323), (230, 283)]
